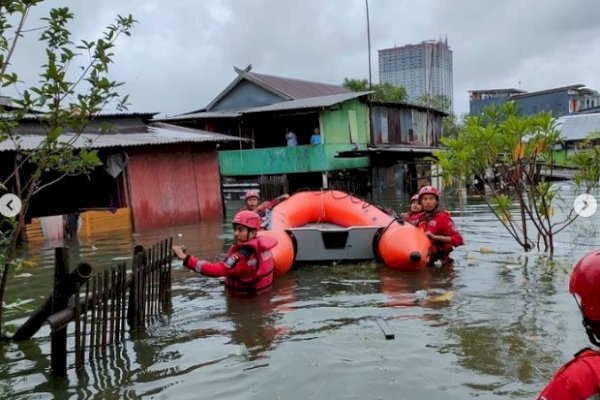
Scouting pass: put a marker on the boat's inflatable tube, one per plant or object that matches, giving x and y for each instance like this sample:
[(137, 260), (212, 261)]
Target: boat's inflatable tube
[(401, 246)]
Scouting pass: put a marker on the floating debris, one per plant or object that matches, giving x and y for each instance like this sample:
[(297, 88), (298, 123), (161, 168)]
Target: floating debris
[(387, 333), (17, 304), (449, 295)]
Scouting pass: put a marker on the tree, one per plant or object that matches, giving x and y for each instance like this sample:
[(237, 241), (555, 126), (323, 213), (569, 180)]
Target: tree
[(384, 92), (435, 101), (508, 152), (74, 87)]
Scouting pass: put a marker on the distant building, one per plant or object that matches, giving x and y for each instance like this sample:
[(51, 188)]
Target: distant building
[(424, 68), (574, 133), (559, 101)]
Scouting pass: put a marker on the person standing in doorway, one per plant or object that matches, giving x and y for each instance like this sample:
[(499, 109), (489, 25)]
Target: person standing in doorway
[(315, 138), (291, 138)]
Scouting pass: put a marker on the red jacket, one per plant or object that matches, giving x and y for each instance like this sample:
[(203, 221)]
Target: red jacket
[(248, 266), (414, 217), (579, 379), (439, 222)]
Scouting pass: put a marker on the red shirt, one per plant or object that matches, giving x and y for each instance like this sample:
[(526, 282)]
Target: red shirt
[(579, 379)]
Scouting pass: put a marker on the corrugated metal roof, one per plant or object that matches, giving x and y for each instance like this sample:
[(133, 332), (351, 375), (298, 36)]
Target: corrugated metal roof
[(308, 103), (298, 89), (510, 90), (300, 104), (201, 115), (26, 116), (546, 91), (408, 105), (39, 115), (285, 88), (577, 127), (153, 134)]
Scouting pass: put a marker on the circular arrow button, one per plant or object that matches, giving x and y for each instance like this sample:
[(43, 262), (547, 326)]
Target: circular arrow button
[(585, 205), (10, 205)]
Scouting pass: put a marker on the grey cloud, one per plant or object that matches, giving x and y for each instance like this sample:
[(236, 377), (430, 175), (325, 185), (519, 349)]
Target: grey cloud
[(182, 52)]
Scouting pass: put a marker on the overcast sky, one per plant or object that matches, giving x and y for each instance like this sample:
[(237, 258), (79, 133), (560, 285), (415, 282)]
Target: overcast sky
[(182, 52)]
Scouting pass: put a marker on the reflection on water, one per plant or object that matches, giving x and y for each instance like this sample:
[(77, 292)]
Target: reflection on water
[(495, 325)]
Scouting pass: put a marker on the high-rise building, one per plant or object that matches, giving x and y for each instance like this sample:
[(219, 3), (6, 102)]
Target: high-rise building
[(424, 68)]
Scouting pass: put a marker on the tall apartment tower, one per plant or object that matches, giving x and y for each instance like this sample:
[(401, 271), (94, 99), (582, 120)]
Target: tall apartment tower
[(421, 68)]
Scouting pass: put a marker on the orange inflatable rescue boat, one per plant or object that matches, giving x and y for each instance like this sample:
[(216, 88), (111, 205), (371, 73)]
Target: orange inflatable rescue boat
[(329, 225)]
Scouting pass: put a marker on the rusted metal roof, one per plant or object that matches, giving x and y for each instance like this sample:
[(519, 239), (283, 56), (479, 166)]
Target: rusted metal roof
[(308, 103), (153, 134), (408, 105), (286, 88), (296, 88)]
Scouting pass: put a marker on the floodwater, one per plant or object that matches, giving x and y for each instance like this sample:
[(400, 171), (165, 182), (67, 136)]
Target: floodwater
[(494, 326)]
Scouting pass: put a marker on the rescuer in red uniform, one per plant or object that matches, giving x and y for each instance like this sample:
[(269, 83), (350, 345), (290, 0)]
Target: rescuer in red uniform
[(248, 266), (579, 379)]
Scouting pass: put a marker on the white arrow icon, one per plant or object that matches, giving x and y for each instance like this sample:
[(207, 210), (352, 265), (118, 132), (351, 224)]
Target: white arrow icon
[(585, 205), (10, 205)]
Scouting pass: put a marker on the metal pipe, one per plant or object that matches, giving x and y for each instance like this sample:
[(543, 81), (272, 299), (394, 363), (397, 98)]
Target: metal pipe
[(64, 290)]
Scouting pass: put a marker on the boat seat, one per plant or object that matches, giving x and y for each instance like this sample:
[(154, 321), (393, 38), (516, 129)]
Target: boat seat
[(330, 242)]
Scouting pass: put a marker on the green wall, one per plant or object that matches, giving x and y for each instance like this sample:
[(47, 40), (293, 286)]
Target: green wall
[(337, 121), (285, 160)]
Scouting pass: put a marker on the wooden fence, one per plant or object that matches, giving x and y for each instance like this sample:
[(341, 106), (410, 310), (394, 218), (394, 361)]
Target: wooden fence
[(101, 305)]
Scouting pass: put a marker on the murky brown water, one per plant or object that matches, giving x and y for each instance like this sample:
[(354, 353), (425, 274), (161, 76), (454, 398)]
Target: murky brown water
[(495, 326)]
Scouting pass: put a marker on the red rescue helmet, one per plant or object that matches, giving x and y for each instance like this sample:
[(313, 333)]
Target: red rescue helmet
[(249, 219), (414, 198), (250, 194), (585, 284), (429, 190)]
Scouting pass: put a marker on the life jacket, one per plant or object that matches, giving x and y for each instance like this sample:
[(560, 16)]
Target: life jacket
[(577, 379), (591, 358), (254, 270), (439, 222)]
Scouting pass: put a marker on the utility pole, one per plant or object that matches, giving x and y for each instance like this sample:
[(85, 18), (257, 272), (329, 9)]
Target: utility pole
[(369, 43)]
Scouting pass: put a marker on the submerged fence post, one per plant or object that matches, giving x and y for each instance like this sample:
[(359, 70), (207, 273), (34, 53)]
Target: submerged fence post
[(60, 301)]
